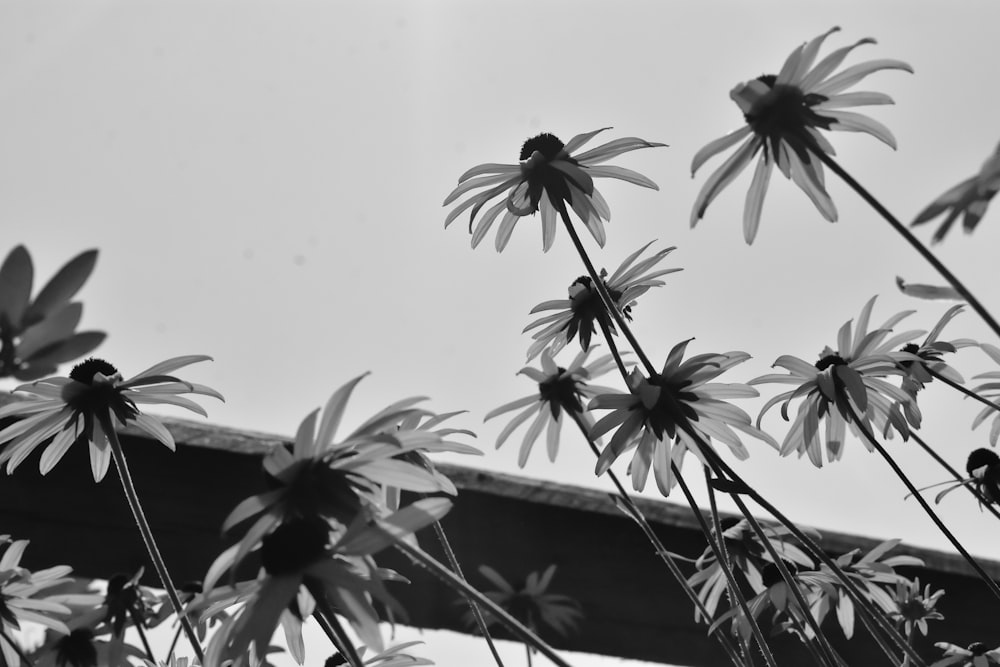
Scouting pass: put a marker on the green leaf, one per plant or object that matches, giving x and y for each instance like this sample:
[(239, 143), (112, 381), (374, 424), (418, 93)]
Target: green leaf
[(16, 275), (62, 287)]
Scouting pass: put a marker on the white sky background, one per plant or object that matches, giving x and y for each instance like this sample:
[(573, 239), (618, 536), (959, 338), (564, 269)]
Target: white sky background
[(264, 182)]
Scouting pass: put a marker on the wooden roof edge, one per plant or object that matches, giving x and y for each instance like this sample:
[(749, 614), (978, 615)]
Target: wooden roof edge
[(253, 443)]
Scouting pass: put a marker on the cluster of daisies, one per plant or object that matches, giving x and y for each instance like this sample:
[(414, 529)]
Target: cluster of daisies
[(334, 502)]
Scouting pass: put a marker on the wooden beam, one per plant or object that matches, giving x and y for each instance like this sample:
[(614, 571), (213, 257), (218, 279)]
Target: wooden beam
[(633, 609)]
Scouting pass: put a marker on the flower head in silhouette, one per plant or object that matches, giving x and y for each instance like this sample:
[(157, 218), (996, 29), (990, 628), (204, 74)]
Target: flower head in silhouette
[(977, 654), (850, 379), (784, 115), (577, 315), (92, 401), (560, 391), (550, 177), (677, 409)]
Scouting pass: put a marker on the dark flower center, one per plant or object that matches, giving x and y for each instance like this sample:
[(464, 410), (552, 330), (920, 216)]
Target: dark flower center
[(978, 648), (546, 144), (86, 370), (783, 115), (672, 407), (294, 545), (771, 575), (587, 307), (124, 602), (335, 660), (96, 400), (561, 391), (979, 458), (913, 609), (77, 649), (317, 489), (830, 360)]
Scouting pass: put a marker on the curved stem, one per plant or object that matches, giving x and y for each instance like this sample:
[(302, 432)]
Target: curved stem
[(740, 598), (992, 585), (450, 579), (137, 622), (877, 617), (599, 285), (911, 239), (965, 390), (983, 501), (147, 535), (477, 613), (668, 559), (614, 350)]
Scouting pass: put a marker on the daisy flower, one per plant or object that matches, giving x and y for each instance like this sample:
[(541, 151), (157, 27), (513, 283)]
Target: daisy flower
[(550, 175), (990, 390), (843, 380), (748, 555), (559, 390), (318, 477), (784, 115), (977, 654), (655, 416), (577, 314), (531, 602), (915, 607), (968, 199), (302, 571), (87, 404)]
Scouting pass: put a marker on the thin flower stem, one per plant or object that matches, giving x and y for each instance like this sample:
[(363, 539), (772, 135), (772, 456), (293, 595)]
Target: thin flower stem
[(740, 598), (147, 535), (911, 239), (527, 652), (992, 585), (609, 303), (965, 390), (142, 634), (449, 578), (614, 349), (477, 613), (668, 559), (983, 500), (327, 620), (856, 596), (909, 640), (717, 525), (809, 645)]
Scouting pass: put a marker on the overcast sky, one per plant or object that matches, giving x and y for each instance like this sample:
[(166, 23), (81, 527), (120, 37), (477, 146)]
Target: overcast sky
[(264, 182)]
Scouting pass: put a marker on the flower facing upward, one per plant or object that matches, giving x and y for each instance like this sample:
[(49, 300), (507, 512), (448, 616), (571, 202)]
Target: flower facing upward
[(843, 380), (560, 390), (663, 408), (969, 199), (549, 176), (784, 115), (577, 314), (90, 402)]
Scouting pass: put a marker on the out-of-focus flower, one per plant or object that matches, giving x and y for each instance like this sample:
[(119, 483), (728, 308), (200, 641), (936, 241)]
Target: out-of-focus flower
[(915, 607), (983, 467), (391, 657), (87, 404), (578, 314), (38, 335), (843, 380), (549, 176), (990, 390), (921, 291), (300, 566), (784, 115), (560, 390), (968, 199), (341, 481), (748, 556), (977, 654), (531, 603), (87, 644), (655, 417), (27, 596)]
